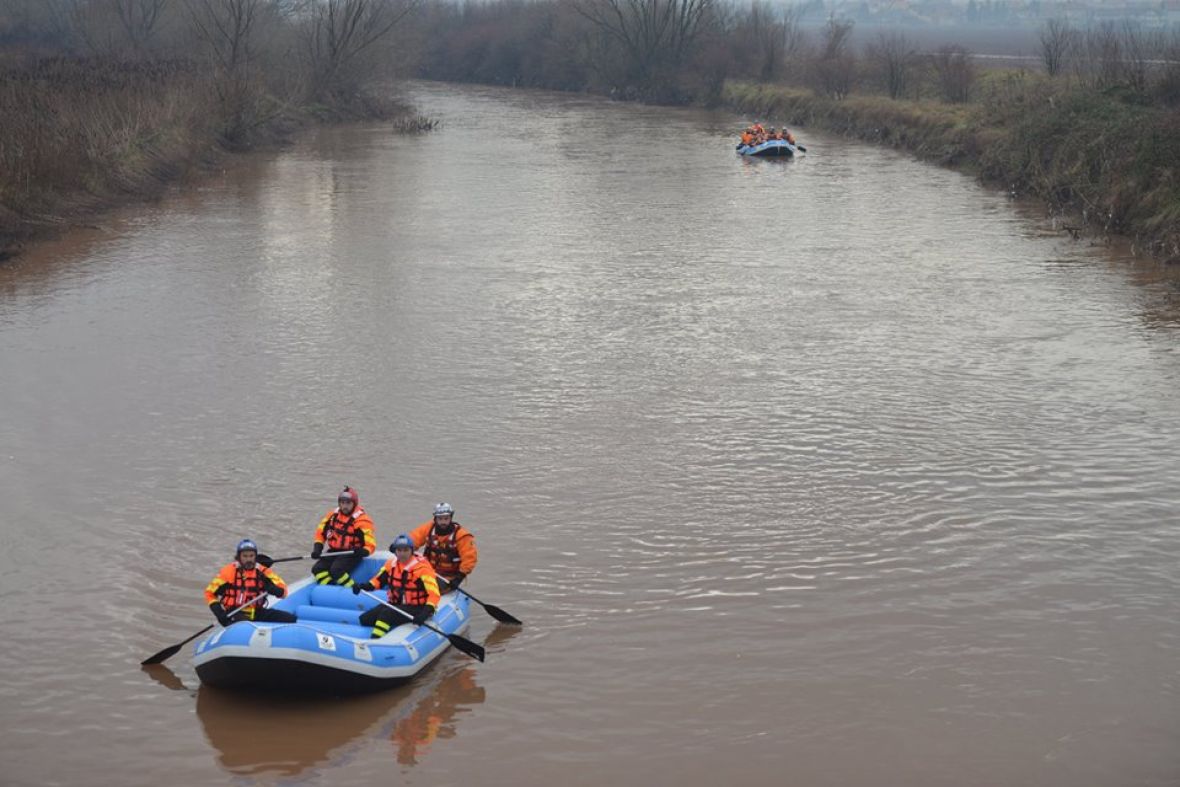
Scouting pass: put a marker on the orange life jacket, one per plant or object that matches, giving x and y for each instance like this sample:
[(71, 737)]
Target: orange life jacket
[(234, 586), (413, 583), (341, 532), (443, 551), (452, 554)]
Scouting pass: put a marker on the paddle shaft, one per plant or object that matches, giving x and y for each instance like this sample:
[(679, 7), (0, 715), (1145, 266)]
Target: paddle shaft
[(499, 614), (462, 643), (306, 557), (171, 651)]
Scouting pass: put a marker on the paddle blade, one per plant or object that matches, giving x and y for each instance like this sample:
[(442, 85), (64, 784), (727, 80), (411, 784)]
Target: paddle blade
[(467, 646), (163, 655), (171, 651), (501, 615)]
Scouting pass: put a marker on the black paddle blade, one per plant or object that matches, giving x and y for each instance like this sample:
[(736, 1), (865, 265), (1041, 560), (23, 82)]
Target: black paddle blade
[(163, 655), (501, 615), (467, 646), (172, 650), (492, 609)]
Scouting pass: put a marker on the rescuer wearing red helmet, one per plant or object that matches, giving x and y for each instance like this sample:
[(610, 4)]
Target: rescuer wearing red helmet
[(346, 528)]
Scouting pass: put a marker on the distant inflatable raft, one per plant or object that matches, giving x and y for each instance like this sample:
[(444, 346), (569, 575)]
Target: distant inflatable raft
[(327, 650), (769, 148)]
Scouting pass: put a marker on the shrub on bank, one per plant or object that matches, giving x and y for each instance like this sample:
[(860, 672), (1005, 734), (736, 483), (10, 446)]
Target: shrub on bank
[(95, 103)]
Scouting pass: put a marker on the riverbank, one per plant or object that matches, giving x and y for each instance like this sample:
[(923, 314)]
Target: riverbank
[(1098, 158), (81, 135)]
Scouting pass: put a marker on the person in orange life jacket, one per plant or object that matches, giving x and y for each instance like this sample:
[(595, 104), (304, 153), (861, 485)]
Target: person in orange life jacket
[(448, 546), (413, 588), (346, 528), (242, 580)]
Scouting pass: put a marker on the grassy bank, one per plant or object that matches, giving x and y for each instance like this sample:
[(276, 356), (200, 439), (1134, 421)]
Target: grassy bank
[(1099, 155), (78, 134)]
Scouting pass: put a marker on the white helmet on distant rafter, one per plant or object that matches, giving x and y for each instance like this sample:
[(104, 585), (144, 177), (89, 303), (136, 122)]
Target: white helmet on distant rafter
[(443, 509)]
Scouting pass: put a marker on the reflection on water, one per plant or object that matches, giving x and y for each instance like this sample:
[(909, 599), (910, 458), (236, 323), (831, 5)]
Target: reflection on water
[(291, 735), (435, 715), (166, 678)]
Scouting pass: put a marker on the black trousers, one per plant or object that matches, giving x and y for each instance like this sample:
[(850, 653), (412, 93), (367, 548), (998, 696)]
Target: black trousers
[(266, 615), (336, 567), (388, 616)]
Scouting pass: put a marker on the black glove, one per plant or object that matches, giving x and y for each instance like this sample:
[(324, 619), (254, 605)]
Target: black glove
[(316, 551), (360, 552), (456, 581), (357, 588), (220, 613), (423, 615)]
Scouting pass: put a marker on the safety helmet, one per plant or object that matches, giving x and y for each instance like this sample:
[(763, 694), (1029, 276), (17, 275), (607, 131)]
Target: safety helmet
[(245, 543), (444, 509), (401, 541), (349, 494)]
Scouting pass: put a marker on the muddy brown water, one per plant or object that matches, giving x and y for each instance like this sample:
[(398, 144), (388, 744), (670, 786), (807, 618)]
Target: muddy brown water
[(840, 471)]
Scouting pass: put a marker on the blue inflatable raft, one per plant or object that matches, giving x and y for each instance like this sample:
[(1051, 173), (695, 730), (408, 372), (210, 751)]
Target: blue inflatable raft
[(771, 147), (327, 650)]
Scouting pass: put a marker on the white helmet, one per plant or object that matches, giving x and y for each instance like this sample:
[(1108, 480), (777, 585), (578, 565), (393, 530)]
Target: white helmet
[(443, 509)]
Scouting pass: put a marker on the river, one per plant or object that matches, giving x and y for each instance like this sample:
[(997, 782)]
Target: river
[(838, 471)]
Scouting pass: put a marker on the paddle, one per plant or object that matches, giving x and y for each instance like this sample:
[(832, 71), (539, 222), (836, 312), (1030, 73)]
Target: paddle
[(269, 561), (462, 643), (801, 148), (492, 609), (169, 652)]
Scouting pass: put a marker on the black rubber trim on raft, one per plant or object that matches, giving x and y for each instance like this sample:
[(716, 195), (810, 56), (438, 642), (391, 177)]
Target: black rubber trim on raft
[(292, 677)]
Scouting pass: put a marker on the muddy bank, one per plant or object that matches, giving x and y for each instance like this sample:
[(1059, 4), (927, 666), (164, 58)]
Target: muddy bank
[(1103, 162)]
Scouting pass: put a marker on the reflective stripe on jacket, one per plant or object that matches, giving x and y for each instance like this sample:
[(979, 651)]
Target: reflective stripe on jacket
[(413, 583), (339, 533), (452, 554)]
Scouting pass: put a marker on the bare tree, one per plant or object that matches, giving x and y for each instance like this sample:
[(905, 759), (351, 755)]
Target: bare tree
[(1140, 47), (341, 31), (653, 33), (230, 32), (1101, 55), (956, 73), (139, 19), (769, 35), (226, 27), (114, 27), (794, 38), (895, 57), (835, 65), (1057, 37)]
